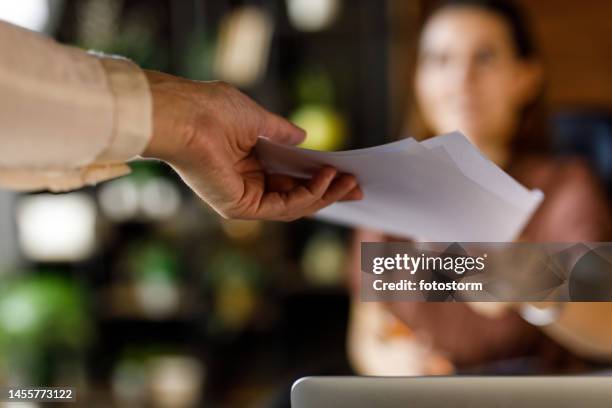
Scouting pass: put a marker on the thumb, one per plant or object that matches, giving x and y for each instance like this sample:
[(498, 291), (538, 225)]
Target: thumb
[(280, 130)]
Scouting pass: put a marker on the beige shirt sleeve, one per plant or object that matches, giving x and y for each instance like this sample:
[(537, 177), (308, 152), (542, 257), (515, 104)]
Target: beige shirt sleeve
[(67, 118)]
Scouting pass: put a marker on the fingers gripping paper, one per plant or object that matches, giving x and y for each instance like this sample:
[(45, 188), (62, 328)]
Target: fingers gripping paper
[(442, 189)]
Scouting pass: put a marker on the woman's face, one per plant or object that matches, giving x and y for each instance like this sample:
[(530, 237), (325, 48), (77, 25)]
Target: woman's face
[(469, 78)]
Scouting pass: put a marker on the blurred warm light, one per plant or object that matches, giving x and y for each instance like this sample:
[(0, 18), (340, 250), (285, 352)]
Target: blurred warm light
[(159, 198), (56, 227), (175, 381), (312, 15), (241, 229), (165, 381), (243, 47), (119, 199), (235, 302), (124, 199), (323, 259), (31, 14), (158, 298), (325, 127)]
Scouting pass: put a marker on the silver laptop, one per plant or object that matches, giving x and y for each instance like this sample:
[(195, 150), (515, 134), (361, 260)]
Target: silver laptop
[(455, 392)]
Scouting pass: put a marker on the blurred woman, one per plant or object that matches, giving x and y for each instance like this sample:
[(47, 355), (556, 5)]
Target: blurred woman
[(478, 71)]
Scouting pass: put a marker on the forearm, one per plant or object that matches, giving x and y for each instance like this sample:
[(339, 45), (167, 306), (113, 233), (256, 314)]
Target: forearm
[(67, 117), (585, 328)]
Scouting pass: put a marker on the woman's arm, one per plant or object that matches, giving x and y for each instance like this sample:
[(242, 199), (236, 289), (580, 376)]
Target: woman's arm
[(585, 328), (577, 210)]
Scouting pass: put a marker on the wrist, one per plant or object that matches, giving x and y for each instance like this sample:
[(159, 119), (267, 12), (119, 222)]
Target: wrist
[(168, 127)]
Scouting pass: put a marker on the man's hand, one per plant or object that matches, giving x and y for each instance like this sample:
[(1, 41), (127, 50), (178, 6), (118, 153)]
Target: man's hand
[(207, 131)]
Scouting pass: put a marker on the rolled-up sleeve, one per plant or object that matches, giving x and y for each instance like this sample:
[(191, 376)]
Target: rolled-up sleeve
[(67, 118)]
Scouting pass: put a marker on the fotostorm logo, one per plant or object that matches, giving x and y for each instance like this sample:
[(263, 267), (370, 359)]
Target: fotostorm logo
[(412, 264)]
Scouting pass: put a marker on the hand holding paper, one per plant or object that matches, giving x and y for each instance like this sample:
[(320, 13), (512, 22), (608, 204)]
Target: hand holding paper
[(442, 189)]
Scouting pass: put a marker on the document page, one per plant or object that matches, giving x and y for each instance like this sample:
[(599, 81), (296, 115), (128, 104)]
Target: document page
[(442, 189)]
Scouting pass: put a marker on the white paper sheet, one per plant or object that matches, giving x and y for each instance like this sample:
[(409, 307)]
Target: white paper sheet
[(443, 189)]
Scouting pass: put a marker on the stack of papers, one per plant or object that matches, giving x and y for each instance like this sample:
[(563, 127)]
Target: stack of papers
[(439, 190)]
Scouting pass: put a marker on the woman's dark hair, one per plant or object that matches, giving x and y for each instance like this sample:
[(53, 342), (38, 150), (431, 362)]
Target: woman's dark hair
[(511, 14), (532, 136)]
